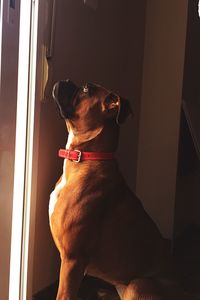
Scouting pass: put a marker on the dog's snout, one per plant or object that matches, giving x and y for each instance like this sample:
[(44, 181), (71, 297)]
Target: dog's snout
[(71, 89), (63, 93), (65, 89)]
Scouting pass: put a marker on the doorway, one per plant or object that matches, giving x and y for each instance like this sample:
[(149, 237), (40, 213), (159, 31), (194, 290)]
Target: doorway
[(106, 43)]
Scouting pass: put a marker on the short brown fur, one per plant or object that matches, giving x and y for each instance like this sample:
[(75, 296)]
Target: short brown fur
[(99, 226)]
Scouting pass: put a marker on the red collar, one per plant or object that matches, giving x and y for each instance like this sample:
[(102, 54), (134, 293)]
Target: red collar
[(78, 156)]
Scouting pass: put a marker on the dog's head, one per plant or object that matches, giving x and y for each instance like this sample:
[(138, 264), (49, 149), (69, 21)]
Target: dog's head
[(90, 104)]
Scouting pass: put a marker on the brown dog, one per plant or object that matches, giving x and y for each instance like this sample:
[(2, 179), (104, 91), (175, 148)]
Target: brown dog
[(99, 226)]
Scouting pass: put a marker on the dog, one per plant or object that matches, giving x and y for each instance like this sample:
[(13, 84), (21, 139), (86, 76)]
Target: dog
[(98, 225)]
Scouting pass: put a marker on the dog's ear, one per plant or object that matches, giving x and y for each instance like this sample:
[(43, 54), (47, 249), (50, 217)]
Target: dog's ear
[(115, 106), (63, 94)]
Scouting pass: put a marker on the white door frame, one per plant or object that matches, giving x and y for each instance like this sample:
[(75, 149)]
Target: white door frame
[(23, 150)]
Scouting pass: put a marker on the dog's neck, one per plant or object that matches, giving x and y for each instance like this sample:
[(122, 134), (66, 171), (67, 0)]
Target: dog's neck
[(104, 139)]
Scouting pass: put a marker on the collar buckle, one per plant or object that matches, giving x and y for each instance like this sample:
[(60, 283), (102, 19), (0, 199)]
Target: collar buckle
[(79, 156)]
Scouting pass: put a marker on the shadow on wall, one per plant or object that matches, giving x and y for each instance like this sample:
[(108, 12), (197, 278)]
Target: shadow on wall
[(104, 46), (187, 211)]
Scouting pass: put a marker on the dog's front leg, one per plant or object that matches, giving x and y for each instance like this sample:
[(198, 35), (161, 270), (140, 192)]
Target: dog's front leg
[(71, 274)]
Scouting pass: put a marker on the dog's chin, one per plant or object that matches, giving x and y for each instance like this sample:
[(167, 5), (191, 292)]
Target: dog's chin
[(66, 113)]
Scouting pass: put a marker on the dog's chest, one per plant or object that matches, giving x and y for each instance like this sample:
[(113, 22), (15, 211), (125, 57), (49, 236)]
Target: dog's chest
[(55, 195)]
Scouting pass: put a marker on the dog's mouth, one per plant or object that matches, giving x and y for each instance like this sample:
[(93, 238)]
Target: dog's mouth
[(64, 92)]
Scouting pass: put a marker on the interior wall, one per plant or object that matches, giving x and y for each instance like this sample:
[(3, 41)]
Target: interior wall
[(160, 109), (8, 103), (103, 46), (187, 210)]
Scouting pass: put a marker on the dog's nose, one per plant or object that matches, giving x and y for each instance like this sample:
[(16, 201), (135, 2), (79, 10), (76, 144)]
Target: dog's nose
[(65, 89)]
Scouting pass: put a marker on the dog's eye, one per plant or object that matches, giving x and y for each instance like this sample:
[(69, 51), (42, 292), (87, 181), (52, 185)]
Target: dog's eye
[(89, 89), (85, 88), (111, 98)]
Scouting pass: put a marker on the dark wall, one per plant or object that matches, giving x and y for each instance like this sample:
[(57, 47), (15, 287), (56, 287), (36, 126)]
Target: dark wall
[(187, 209), (104, 46), (191, 79)]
